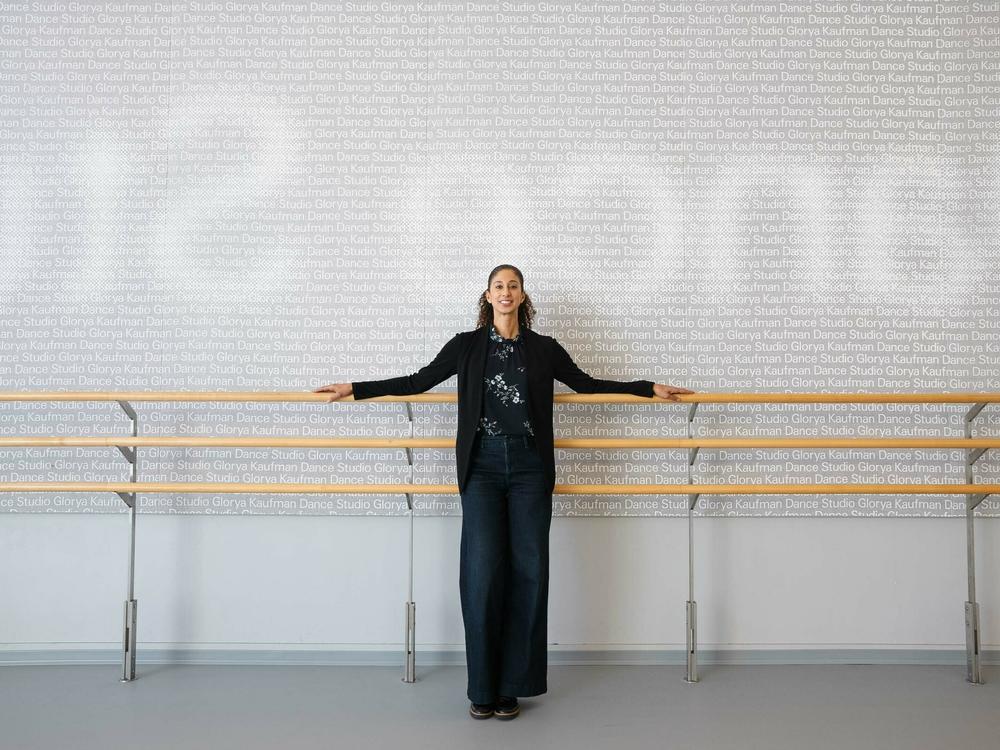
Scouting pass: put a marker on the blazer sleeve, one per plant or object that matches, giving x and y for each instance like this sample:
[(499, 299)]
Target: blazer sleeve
[(564, 370), (445, 365)]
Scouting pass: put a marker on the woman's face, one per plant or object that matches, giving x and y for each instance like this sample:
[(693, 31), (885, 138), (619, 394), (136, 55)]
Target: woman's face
[(504, 292)]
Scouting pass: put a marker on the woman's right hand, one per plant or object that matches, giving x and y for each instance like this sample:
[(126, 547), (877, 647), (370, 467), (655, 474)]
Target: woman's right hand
[(336, 390)]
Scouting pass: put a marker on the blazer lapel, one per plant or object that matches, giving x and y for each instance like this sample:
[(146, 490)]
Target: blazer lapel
[(477, 366), (477, 354), (535, 354), (530, 347)]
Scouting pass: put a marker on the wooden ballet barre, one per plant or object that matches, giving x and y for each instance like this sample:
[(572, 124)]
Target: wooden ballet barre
[(442, 442), (572, 398), (451, 489), (974, 447)]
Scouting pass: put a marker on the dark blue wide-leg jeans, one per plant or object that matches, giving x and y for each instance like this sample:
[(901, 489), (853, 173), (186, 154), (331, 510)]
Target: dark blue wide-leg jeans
[(504, 568)]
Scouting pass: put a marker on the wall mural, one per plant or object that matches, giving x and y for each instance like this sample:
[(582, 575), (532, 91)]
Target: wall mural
[(760, 197)]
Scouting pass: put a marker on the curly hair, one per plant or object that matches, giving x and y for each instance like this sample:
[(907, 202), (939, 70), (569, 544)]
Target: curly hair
[(525, 311)]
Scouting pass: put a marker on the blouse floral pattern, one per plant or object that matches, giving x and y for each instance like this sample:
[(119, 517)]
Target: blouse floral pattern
[(505, 405)]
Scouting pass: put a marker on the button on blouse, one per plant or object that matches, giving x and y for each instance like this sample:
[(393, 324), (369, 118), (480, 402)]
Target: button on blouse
[(505, 387)]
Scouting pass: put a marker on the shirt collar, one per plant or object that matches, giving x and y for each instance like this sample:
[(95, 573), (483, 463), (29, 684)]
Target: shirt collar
[(495, 336)]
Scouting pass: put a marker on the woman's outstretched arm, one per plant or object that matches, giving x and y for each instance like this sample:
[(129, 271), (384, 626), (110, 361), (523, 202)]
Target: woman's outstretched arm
[(445, 365), (565, 370)]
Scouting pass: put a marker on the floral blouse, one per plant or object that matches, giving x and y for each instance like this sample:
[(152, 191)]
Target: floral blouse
[(505, 405)]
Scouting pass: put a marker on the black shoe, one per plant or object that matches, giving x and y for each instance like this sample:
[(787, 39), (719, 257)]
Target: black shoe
[(481, 710), (507, 708)]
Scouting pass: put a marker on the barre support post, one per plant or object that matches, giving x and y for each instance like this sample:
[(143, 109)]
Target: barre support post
[(410, 666), (691, 607), (130, 611), (973, 673)]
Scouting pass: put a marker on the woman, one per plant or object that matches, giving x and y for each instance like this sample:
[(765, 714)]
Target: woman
[(506, 473)]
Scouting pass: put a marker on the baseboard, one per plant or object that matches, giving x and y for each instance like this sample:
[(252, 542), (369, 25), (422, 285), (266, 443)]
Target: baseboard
[(13, 656)]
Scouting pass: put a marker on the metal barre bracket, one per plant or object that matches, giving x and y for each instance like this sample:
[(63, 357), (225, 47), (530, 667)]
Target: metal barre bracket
[(128, 641), (973, 671), (410, 635), (691, 607), (131, 605)]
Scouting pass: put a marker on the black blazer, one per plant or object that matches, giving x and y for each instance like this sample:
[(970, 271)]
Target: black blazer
[(465, 354)]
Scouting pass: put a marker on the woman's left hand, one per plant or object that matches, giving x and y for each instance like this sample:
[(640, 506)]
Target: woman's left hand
[(669, 391)]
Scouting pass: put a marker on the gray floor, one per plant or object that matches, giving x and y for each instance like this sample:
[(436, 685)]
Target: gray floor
[(773, 707)]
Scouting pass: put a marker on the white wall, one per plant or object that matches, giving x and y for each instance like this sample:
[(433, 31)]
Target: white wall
[(339, 583)]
